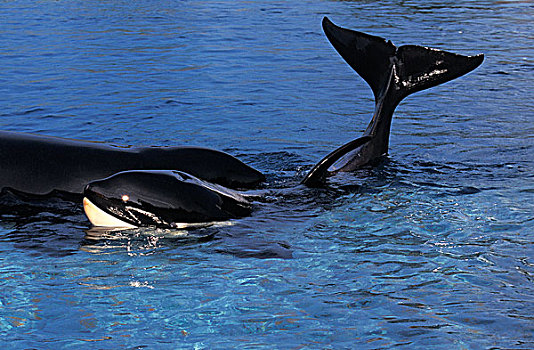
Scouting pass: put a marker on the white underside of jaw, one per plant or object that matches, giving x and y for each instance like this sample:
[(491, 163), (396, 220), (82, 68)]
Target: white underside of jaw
[(98, 217)]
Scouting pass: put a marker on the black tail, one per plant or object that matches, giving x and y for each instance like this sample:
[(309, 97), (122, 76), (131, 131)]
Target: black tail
[(318, 174), (392, 73), (414, 68)]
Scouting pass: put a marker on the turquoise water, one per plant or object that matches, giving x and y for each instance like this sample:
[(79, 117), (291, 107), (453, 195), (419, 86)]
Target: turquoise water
[(433, 249)]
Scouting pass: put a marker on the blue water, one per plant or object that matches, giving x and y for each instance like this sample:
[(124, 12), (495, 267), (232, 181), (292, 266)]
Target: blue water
[(433, 249)]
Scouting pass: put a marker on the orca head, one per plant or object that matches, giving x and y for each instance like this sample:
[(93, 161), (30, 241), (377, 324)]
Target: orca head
[(160, 198)]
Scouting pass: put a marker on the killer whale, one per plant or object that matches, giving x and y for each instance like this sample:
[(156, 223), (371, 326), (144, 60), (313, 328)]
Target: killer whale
[(392, 73), (42, 165), (160, 198)]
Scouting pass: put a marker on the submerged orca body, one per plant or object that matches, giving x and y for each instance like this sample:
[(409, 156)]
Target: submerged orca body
[(41, 165)]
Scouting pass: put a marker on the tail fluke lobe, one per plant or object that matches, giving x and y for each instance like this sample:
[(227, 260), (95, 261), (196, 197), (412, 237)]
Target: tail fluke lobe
[(420, 68), (319, 172), (370, 56), (402, 70)]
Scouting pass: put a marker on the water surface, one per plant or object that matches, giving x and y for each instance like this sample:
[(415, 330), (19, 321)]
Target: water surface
[(432, 249)]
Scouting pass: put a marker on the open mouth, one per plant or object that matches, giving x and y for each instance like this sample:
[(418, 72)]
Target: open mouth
[(98, 217)]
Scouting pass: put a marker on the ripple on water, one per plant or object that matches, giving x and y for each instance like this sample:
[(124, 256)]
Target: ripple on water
[(431, 249)]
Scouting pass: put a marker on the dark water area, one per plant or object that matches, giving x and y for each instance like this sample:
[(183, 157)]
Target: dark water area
[(432, 249)]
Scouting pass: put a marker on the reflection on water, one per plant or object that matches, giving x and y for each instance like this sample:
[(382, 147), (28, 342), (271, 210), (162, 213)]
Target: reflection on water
[(141, 241), (431, 249)]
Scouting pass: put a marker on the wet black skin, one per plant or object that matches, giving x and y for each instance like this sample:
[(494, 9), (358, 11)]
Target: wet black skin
[(165, 198), (41, 165), (393, 74)]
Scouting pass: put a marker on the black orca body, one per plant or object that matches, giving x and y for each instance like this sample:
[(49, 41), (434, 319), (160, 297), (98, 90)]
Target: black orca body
[(160, 198), (41, 165), (393, 74)]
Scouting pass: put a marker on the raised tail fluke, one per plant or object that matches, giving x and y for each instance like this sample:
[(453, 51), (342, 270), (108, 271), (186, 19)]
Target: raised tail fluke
[(409, 68), (392, 73)]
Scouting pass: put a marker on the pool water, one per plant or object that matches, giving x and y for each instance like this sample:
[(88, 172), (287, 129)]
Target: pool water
[(432, 249)]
